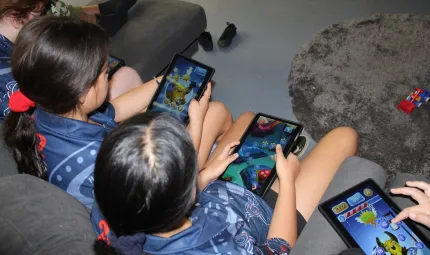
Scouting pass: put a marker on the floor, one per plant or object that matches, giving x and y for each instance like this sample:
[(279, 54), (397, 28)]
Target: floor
[(252, 74)]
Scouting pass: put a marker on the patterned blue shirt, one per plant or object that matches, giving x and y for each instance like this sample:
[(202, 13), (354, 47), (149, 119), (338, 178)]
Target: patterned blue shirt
[(226, 219), (69, 148), (8, 84)]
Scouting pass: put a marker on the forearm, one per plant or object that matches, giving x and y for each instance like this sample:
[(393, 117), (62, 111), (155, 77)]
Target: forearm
[(284, 220), (196, 129), (134, 101)]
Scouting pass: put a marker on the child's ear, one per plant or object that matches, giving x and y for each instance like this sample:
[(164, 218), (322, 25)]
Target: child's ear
[(14, 21)]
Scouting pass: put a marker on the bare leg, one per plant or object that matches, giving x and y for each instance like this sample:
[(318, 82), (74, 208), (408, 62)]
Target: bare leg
[(91, 9), (90, 18), (233, 134), (124, 80), (320, 165), (217, 122)]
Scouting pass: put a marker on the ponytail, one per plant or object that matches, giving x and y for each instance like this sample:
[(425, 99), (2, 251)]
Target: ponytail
[(19, 133)]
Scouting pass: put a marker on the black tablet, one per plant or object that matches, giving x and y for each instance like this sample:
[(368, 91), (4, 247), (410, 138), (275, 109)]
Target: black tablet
[(114, 64), (185, 79), (255, 166), (362, 217)]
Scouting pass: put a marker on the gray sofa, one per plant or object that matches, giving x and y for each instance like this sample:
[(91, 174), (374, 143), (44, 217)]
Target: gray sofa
[(155, 31), (39, 218)]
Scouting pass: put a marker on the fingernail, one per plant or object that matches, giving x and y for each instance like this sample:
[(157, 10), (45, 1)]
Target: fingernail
[(412, 215), (278, 146), (236, 155)]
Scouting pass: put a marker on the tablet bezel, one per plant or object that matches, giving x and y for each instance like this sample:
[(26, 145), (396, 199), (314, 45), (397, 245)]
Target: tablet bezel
[(169, 69), (288, 148), (325, 210)]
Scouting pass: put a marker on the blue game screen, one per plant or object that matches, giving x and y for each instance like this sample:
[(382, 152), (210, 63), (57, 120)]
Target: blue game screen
[(257, 155), (181, 85), (367, 218)]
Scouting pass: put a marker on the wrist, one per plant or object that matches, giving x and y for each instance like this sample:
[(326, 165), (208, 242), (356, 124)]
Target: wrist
[(204, 179)]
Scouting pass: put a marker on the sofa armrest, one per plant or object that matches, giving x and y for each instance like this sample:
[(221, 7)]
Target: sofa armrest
[(318, 237)]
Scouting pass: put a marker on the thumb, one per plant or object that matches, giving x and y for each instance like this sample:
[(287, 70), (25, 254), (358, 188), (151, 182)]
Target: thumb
[(230, 159), (279, 153), (420, 218)]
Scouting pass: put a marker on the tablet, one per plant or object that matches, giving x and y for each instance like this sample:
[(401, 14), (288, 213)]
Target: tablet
[(114, 64), (185, 79), (362, 217), (255, 166)]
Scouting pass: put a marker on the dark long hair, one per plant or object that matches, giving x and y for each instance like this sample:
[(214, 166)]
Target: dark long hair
[(55, 62), (20, 9), (146, 175)]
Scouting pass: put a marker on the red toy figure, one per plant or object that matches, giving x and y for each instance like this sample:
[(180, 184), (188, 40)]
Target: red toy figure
[(416, 99)]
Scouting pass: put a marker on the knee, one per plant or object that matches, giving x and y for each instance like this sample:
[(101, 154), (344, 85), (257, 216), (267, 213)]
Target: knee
[(220, 110), (346, 136), (128, 73), (246, 116)]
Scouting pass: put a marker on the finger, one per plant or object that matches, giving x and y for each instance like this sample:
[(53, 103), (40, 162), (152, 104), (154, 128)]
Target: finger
[(279, 153), (228, 160), (292, 157), (401, 216), (416, 194), (228, 149), (420, 217), (420, 185), (208, 91), (405, 213), (233, 146)]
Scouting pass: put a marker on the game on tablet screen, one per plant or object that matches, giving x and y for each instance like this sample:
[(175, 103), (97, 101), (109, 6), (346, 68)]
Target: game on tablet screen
[(181, 86), (257, 155), (367, 218)]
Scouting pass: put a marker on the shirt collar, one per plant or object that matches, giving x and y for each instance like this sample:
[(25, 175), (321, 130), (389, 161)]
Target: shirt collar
[(6, 44), (207, 222), (69, 127)]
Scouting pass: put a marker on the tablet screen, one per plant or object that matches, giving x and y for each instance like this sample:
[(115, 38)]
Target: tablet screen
[(257, 154), (366, 216), (183, 82)]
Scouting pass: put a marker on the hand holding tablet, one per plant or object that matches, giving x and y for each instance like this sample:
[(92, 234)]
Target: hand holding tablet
[(185, 80), (363, 217)]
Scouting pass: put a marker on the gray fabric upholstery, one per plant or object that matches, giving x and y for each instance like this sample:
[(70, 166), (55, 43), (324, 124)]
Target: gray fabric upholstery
[(155, 31), (40, 219), (318, 237)]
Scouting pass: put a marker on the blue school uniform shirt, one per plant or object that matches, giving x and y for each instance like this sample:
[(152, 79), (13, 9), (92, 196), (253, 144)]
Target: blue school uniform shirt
[(69, 148), (226, 219), (8, 84)]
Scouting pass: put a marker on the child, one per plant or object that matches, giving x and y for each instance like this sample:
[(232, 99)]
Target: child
[(58, 117), (155, 201), (13, 16)]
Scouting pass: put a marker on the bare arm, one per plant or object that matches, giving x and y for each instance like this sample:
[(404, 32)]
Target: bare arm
[(134, 101), (197, 112), (284, 219)]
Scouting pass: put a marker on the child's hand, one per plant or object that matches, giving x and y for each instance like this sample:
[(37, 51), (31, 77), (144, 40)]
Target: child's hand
[(286, 168), (420, 192), (218, 165), (197, 112), (198, 109)]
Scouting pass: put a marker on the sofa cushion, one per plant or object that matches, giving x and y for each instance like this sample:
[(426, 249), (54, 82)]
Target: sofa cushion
[(38, 218), (155, 31)]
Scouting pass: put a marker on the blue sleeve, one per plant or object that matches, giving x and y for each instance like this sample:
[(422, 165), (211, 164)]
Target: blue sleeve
[(107, 109), (274, 246)]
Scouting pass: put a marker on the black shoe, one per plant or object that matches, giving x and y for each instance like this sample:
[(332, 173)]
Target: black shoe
[(205, 40), (227, 36), (301, 146), (117, 7)]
